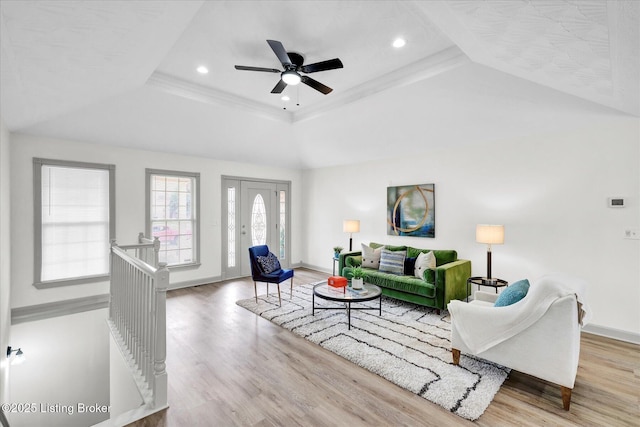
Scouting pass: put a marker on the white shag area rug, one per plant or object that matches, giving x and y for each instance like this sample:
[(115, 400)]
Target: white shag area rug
[(408, 345)]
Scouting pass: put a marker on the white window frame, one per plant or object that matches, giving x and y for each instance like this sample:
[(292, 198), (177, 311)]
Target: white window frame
[(195, 197), (38, 163)]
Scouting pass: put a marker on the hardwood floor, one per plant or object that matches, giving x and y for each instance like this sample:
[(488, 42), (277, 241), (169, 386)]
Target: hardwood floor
[(229, 367)]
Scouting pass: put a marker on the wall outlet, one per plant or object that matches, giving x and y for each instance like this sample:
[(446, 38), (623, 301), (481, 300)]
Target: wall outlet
[(632, 233)]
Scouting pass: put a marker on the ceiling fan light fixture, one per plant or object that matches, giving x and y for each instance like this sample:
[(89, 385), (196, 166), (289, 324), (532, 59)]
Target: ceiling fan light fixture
[(292, 64), (290, 77)]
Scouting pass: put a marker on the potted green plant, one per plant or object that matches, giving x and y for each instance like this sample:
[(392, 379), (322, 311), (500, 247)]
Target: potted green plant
[(357, 279), (336, 251)]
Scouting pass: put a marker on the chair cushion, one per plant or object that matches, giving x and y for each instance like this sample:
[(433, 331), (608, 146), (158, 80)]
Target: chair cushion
[(392, 261), (269, 263), (513, 293)]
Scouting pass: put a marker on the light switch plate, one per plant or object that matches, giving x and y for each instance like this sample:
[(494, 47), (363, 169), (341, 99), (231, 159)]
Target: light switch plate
[(632, 233)]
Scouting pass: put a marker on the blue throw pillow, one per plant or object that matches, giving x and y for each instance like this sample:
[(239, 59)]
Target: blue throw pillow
[(269, 263), (513, 293), (392, 261)]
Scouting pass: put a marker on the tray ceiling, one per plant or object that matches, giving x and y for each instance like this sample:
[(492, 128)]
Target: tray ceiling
[(63, 61)]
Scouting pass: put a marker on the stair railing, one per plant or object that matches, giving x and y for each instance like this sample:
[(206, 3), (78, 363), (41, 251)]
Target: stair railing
[(137, 315)]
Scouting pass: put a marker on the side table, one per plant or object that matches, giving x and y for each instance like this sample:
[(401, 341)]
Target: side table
[(334, 265), (483, 281)]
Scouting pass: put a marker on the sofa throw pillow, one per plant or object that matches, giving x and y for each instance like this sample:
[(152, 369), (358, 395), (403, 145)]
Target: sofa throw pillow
[(371, 257), (423, 262), (392, 261), (409, 266), (269, 263), (513, 293)]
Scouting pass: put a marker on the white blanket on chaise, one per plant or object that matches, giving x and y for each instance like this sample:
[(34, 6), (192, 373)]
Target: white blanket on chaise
[(481, 327)]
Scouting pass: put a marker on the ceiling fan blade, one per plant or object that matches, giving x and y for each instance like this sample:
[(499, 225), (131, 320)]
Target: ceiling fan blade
[(330, 64), (266, 70), (280, 52), (316, 85), (279, 87)]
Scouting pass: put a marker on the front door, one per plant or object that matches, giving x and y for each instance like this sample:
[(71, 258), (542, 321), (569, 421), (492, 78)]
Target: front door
[(258, 224), (254, 213)]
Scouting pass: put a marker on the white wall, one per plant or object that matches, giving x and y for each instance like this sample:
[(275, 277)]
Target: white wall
[(124, 395), (549, 191), (5, 261), (130, 207), (66, 366)]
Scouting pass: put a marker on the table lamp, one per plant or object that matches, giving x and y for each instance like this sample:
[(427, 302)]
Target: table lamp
[(351, 226), (490, 235)]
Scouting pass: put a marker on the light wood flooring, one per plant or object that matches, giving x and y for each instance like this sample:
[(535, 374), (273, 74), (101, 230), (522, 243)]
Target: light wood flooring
[(229, 367)]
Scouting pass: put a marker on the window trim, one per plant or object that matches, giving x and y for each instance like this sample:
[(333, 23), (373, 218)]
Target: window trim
[(147, 210), (37, 219)]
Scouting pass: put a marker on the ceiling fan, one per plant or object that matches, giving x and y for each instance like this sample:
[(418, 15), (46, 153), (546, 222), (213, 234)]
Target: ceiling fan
[(292, 64)]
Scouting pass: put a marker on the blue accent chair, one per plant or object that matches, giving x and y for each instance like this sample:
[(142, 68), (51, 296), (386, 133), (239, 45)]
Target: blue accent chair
[(258, 275)]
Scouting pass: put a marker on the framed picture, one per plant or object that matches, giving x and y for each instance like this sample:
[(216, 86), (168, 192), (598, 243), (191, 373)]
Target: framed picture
[(411, 210)]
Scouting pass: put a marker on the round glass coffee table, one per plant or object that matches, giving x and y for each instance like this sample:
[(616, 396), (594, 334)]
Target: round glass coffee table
[(347, 296)]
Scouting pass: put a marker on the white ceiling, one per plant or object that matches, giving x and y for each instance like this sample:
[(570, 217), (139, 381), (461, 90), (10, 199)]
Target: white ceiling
[(123, 73)]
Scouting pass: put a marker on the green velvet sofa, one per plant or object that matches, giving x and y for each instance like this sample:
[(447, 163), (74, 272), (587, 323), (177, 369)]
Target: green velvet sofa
[(446, 282)]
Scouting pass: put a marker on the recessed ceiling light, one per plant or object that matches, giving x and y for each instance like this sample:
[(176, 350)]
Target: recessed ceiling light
[(202, 69), (285, 98), (399, 42)]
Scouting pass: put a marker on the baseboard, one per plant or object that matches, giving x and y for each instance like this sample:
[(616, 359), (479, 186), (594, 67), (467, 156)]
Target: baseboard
[(195, 282), (316, 268), (58, 308), (613, 333)]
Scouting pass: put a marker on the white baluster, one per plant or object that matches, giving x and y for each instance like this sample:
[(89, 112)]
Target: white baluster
[(137, 312)]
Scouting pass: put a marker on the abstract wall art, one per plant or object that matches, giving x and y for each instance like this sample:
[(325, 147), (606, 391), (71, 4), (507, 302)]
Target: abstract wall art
[(411, 210)]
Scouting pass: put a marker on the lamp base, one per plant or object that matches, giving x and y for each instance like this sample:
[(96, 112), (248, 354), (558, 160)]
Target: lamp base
[(489, 280)]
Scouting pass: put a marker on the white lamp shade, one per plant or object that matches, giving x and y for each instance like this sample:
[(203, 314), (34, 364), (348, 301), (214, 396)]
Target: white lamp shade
[(351, 226), (490, 234)]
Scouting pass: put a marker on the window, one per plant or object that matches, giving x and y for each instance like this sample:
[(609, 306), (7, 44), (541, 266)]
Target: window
[(283, 224), (231, 227), (258, 222), (74, 221), (172, 215)]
